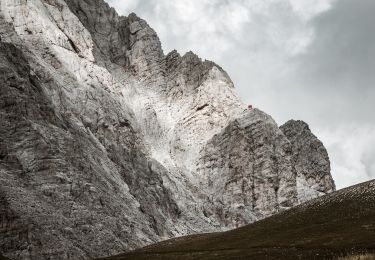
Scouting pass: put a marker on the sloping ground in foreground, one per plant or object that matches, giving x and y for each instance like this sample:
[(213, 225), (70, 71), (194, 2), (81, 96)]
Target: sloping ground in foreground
[(341, 223)]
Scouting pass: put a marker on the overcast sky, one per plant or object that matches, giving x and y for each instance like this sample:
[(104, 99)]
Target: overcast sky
[(312, 60)]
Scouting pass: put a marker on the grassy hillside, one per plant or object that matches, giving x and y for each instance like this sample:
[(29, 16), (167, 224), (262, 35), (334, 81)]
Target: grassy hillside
[(339, 224)]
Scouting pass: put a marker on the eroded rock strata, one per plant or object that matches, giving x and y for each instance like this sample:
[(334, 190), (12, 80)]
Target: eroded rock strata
[(108, 144)]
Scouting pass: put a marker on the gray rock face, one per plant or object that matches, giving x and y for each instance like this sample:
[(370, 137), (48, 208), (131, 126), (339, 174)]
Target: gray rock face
[(310, 161), (107, 144), (62, 183), (248, 171)]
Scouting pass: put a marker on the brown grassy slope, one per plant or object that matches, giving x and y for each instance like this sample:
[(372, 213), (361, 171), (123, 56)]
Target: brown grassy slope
[(337, 224), (358, 257)]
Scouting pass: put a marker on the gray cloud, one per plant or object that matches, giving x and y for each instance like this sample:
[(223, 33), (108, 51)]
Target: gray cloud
[(343, 49), (305, 59), (352, 152), (337, 70)]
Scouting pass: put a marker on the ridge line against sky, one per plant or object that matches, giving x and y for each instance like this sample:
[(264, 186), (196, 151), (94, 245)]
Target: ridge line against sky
[(312, 60)]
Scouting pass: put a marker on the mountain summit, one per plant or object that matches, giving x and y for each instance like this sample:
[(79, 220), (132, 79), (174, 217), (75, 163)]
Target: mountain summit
[(107, 144)]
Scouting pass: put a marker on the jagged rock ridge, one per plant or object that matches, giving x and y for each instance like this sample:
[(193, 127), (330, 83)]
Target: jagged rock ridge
[(310, 159), (107, 144)]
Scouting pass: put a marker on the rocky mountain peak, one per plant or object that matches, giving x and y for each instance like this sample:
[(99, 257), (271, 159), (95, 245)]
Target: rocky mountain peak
[(107, 144), (293, 128), (311, 161), (133, 17)]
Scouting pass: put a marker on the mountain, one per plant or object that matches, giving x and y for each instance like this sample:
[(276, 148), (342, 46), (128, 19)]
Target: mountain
[(341, 223), (107, 144)]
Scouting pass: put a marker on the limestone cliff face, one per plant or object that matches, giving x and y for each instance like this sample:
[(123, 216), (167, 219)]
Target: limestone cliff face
[(311, 161), (108, 144), (248, 171), (67, 189)]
